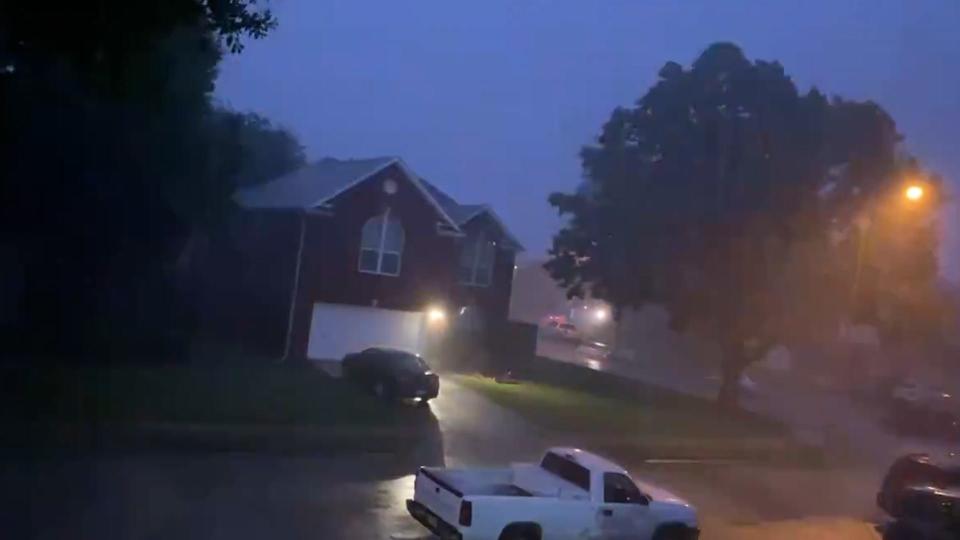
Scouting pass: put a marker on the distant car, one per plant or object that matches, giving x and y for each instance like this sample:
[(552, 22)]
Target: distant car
[(568, 330), (924, 410), (392, 374), (923, 495), (563, 330), (593, 350)]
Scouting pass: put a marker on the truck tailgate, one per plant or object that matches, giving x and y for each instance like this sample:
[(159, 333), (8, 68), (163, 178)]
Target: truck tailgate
[(437, 495)]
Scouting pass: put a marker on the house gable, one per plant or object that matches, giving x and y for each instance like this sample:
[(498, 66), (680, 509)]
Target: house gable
[(491, 221), (463, 214), (397, 173), (333, 249), (316, 185)]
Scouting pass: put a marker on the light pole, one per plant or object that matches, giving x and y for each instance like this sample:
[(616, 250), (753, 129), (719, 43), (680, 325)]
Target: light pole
[(912, 193)]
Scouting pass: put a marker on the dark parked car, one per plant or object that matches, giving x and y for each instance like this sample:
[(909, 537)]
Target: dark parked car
[(923, 410), (392, 374), (923, 495)]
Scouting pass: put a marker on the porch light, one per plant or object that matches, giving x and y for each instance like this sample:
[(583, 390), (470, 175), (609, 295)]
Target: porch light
[(436, 315)]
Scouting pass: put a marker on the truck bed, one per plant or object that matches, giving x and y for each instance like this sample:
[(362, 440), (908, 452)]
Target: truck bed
[(462, 482)]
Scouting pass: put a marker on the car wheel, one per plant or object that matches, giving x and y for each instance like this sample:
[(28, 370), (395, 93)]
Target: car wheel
[(899, 531)]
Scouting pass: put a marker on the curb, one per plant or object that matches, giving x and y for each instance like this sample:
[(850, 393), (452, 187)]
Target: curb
[(59, 437)]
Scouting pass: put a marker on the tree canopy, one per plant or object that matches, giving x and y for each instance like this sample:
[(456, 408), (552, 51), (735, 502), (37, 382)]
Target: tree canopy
[(700, 196)]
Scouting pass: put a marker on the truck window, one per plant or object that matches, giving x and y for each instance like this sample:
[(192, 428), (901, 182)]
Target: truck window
[(567, 469), (618, 488)]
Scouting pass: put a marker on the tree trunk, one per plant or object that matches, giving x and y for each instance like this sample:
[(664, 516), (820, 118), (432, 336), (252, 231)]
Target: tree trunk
[(732, 366)]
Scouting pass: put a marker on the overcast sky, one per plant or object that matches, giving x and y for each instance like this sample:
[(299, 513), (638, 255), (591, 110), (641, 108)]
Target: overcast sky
[(492, 99)]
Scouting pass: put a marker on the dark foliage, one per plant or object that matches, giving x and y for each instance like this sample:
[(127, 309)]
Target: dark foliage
[(696, 198), (113, 156)]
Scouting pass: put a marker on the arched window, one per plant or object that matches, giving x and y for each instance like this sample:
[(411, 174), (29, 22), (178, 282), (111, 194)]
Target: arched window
[(476, 261), (381, 245)]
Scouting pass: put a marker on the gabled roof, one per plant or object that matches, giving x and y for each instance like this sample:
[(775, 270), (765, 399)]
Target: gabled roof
[(463, 213), (316, 184), (312, 185)]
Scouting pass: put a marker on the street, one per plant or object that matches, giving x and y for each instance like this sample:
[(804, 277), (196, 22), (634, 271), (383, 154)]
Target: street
[(247, 496), (240, 496)]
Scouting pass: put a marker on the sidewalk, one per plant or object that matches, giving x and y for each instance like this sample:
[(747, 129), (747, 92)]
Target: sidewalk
[(801, 529)]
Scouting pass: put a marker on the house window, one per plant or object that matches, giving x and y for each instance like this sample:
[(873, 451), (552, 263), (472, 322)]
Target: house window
[(381, 245), (476, 261)]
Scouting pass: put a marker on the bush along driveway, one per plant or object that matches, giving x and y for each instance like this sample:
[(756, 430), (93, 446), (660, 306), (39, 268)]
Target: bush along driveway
[(179, 407)]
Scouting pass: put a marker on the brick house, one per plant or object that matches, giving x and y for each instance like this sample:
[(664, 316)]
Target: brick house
[(344, 254)]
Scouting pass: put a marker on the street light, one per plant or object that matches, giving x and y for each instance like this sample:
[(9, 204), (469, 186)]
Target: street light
[(600, 314), (914, 192)]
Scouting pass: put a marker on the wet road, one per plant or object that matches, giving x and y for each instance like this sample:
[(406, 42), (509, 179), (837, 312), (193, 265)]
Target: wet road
[(246, 496), (252, 496)]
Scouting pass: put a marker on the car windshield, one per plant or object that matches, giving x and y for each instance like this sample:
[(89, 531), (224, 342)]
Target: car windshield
[(406, 362)]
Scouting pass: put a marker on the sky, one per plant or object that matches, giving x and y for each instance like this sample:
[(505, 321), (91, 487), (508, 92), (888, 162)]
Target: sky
[(493, 99)]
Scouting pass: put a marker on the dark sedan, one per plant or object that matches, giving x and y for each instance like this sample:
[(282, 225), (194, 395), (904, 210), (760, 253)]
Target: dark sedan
[(923, 495), (914, 408), (392, 374)]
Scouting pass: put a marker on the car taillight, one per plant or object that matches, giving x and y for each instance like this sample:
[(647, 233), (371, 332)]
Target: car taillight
[(466, 513)]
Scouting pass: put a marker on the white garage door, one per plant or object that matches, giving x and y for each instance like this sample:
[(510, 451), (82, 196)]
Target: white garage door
[(338, 329)]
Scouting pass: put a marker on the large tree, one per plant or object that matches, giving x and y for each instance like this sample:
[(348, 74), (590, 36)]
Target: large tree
[(266, 150), (713, 196), (112, 155)]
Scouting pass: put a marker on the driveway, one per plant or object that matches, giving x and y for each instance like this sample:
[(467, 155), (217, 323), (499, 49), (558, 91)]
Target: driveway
[(251, 496)]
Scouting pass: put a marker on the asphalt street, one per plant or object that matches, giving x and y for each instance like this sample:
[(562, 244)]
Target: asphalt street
[(251, 496)]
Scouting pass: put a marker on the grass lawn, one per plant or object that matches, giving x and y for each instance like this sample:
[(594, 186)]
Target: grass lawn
[(664, 425), (182, 394)]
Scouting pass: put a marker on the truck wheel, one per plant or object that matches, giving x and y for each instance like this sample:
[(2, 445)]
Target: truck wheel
[(672, 532), (521, 531)]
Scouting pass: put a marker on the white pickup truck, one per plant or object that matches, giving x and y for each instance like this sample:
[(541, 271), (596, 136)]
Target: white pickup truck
[(570, 494)]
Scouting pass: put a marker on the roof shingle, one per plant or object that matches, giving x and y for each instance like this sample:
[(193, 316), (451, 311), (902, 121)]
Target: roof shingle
[(315, 184), (310, 186)]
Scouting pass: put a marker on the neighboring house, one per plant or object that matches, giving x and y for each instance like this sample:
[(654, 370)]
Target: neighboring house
[(345, 254)]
